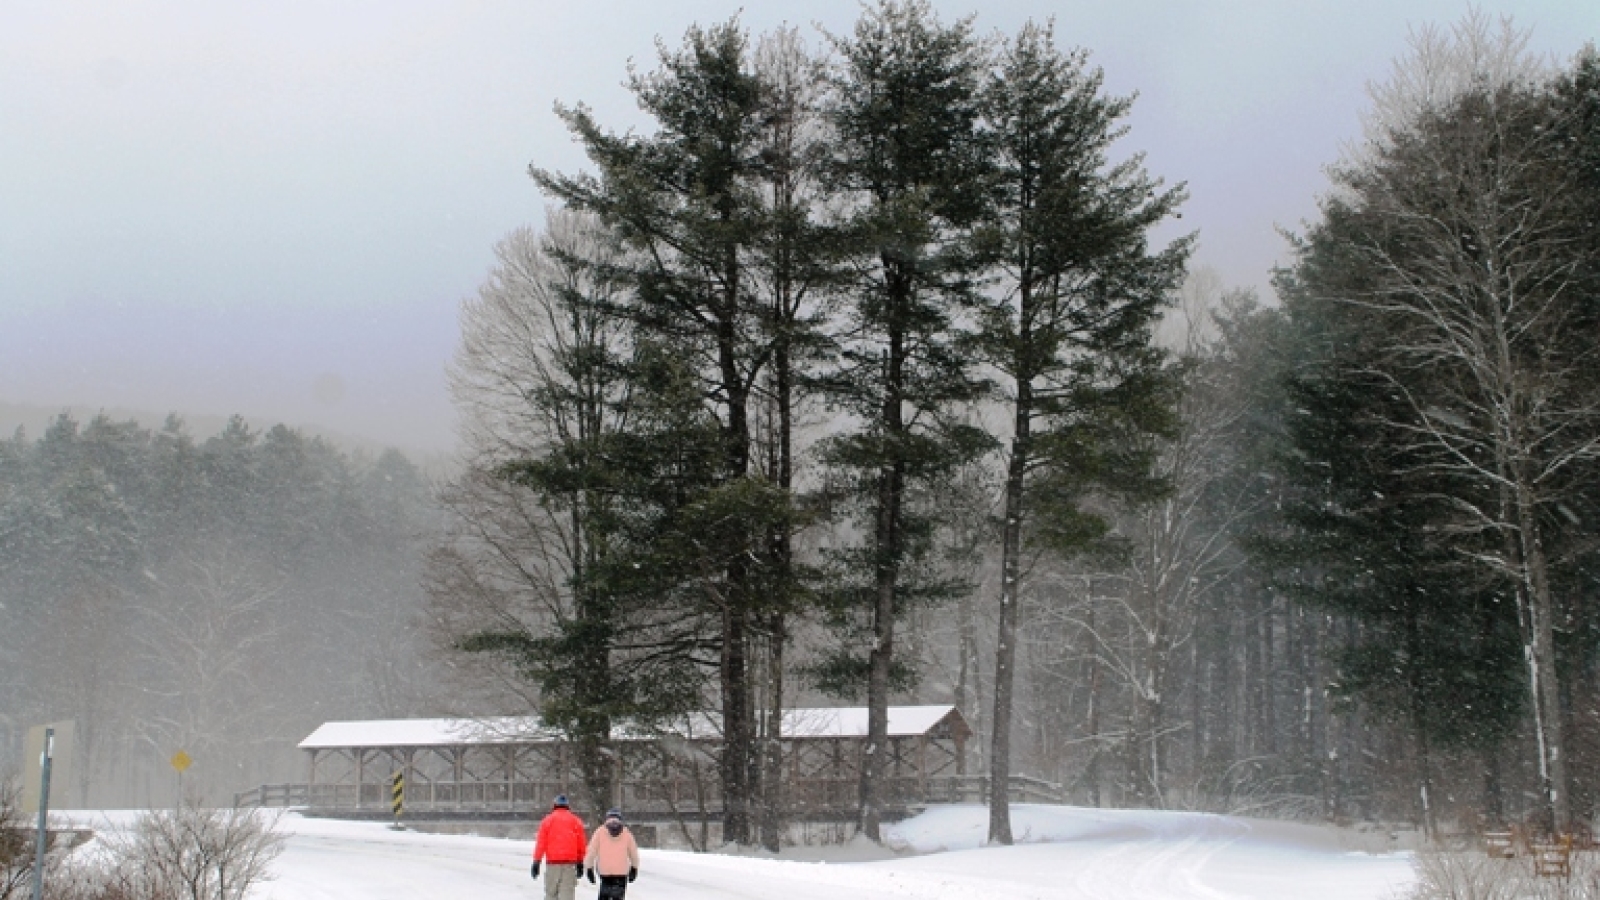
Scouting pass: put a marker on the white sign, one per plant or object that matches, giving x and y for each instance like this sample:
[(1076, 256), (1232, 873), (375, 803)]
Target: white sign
[(60, 766)]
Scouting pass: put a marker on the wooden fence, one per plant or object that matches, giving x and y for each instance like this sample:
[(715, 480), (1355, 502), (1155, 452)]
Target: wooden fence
[(818, 798)]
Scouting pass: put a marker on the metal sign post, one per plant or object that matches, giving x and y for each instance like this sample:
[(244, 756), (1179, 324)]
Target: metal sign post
[(41, 837)]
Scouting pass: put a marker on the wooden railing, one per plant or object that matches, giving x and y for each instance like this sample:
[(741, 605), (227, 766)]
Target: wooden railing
[(678, 797), (272, 795), (975, 789)]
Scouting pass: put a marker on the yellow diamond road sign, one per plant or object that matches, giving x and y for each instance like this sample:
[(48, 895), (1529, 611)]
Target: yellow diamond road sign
[(181, 761)]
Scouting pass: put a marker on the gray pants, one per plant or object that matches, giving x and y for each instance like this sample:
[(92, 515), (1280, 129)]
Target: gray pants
[(560, 881)]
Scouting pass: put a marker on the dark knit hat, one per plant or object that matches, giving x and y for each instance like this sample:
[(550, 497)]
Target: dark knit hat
[(561, 801), (614, 813)]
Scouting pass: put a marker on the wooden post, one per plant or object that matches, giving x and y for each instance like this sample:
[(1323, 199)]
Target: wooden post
[(837, 776), (458, 758), (511, 776), (410, 770), (922, 764)]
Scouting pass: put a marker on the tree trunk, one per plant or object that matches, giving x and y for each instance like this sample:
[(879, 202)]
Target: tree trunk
[(1092, 773), (734, 768), (772, 798), (969, 685), (1541, 654), (1005, 654), (1253, 685), (740, 756), (1494, 807), (881, 656), (1419, 728), (886, 543), (1201, 675), (1268, 675)]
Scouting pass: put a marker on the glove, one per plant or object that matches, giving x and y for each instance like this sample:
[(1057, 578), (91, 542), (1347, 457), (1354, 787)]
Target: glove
[(633, 872), (590, 874), (536, 868)]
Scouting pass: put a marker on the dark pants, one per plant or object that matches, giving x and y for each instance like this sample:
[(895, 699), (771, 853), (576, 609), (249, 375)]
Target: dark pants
[(613, 887)]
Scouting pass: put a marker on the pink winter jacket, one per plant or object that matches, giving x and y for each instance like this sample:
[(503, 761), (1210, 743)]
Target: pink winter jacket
[(612, 855)]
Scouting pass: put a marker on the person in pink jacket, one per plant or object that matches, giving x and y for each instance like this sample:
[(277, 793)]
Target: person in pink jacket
[(614, 856)]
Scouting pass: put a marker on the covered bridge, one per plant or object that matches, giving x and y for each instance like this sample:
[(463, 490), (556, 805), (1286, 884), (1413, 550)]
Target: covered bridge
[(516, 765)]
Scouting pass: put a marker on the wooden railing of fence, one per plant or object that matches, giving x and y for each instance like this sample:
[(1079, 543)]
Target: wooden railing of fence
[(820, 797)]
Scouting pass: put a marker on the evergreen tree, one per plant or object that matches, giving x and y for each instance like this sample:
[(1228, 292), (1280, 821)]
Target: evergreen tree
[(795, 262), (1069, 327), (161, 603), (1451, 243), (687, 201), (1578, 98), (542, 377), (908, 156), (1367, 536)]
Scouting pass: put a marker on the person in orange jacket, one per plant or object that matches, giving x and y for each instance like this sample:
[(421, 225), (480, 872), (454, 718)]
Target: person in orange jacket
[(561, 844), (615, 855)]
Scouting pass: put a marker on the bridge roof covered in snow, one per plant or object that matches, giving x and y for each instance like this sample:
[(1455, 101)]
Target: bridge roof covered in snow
[(836, 722)]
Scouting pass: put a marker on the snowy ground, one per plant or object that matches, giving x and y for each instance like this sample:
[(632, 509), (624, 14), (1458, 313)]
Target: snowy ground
[(1065, 853)]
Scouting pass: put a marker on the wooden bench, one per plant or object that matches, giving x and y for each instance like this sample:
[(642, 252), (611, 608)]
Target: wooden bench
[(1553, 858)]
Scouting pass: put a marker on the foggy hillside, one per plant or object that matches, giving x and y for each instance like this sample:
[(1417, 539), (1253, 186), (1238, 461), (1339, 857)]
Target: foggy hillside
[(220, 596)]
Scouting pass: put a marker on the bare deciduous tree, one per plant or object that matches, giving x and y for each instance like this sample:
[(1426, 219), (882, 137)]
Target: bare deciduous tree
[(210, 635), (191, 853), (1463, 227), (1478, 53), (16, 846), (515, 555), (1181, 546), (536, 378)]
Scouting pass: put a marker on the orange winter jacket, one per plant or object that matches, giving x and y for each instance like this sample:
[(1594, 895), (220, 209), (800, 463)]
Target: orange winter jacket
[(612, 855), (560, 841)]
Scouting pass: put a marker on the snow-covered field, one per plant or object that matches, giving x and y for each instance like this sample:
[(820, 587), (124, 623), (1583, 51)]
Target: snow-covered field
[(1063, 852)]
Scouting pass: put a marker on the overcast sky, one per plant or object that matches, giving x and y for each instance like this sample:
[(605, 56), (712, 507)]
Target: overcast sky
[(275, 208)]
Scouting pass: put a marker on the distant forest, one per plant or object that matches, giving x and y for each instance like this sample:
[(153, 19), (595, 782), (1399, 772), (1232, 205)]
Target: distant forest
[(222, 597)]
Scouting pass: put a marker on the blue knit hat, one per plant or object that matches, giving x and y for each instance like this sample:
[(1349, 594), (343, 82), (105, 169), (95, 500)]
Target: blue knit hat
[(561, 800), (614, 813)]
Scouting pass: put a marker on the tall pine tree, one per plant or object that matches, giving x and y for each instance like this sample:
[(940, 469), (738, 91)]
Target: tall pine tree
[(909, 159), (687, 202), (1069, 327)]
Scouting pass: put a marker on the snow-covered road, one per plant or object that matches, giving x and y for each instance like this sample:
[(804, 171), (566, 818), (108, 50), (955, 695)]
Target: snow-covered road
[(1068, 854)]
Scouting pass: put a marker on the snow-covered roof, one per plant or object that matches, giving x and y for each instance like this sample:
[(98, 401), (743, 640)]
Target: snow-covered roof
[(851, 721), (822, 722), (428, 732)]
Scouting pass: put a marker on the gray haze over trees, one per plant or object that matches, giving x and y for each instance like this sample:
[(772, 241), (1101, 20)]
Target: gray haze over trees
[(235, 171), (221, 597)]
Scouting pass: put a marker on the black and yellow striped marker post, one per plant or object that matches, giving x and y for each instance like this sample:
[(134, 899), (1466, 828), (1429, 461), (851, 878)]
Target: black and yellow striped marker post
[(397, 795)]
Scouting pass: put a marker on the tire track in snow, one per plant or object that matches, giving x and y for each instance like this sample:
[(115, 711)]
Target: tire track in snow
[(1165, 864), (393, 870)]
